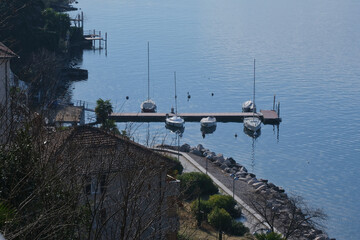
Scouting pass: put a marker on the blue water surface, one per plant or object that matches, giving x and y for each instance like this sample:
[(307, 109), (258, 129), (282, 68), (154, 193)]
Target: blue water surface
[(307, 53)]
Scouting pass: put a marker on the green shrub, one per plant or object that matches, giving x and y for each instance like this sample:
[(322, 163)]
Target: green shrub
[(194, 184), (237, 229), (219, 218), (269, 236), (205, 209), (177, 169), (226, 202)]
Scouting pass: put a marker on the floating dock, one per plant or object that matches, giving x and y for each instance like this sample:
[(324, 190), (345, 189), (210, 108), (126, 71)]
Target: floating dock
[(267, 117)]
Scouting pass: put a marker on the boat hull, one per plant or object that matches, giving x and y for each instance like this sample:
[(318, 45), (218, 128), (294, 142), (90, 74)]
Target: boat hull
[(148, 106), (252, 123), (208, 122), (175, 121)]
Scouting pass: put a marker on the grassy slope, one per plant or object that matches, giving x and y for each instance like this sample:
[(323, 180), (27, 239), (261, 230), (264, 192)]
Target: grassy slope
[(189, 229)]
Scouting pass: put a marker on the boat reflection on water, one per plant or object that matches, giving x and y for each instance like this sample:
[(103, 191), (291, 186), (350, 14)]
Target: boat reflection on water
[(177, 130), (254, 136), (251, 133), (207, 130)]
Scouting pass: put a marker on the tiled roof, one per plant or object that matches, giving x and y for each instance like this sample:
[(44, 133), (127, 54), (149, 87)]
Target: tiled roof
[(90, 137), (5, 52)]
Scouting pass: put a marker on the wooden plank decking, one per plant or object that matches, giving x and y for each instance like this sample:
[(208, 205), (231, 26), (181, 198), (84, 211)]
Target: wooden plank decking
[(269, 116)]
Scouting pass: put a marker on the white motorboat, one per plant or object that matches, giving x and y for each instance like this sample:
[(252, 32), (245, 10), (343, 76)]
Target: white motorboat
[(253, 123), (175, 121), (208, 121), (248, 106), (148, 105)]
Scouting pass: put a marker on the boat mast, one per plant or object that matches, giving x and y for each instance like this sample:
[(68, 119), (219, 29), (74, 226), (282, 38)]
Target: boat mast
[(148, 74), (254, 90), (175, 94)]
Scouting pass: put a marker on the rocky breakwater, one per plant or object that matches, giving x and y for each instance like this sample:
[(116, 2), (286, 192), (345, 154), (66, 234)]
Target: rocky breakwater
[(287, 214)]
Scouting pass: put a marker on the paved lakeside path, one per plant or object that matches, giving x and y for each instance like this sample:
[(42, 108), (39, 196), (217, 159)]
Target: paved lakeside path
[(192, 163)]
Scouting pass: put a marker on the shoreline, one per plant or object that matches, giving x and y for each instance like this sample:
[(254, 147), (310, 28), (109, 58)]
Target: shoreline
[(247, 188)]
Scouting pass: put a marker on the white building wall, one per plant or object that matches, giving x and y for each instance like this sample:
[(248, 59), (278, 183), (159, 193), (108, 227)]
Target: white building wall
[(5, 76)]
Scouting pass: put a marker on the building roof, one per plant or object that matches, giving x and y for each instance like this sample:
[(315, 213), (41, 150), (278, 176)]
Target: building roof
[(90, 138), (5, 52)]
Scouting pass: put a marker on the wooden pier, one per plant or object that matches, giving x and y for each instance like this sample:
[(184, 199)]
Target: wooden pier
[(267, 117), (94, 36)]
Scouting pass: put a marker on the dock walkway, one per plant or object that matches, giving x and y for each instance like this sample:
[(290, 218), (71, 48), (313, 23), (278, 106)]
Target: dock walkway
[(267, 116)]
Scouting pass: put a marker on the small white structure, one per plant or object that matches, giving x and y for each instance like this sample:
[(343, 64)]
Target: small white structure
[(6, 76), (248, 106), (208, 122), (6, 79)]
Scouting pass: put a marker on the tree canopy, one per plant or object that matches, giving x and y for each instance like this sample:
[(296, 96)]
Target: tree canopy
[(193, 184)]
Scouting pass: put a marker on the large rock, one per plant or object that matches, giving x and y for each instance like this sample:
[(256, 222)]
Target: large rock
[(220, 158), (232, 161), (243, 169), (228, 163), (200, 148), (208, 153), (217, 163), (185, 148), (241, 174), (223, 166), (196, 152), (252, 181), (321, 237)]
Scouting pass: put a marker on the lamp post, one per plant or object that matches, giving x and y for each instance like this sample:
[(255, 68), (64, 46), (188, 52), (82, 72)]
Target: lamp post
[(207, 159), (234, 177)]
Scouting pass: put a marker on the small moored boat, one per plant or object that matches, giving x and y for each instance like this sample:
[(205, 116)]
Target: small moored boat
[(248, 106), (208, 121), (148, 105), (253, 123), (175, 121)]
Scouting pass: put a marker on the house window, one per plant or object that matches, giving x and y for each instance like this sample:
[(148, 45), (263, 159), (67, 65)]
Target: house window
[(94, 185), (95, 188)]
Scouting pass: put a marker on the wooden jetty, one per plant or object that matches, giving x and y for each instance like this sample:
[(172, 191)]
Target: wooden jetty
[(70, 115), (267, 117), (94, 36)]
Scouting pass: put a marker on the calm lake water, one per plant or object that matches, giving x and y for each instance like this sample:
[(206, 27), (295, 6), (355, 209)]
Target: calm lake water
[(307, 53)]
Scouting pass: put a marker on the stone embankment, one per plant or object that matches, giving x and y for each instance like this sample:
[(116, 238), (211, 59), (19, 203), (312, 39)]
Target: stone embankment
[(264, 199)]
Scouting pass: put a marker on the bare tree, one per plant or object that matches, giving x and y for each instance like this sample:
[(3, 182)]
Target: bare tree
[(289, 215), (127, 192)]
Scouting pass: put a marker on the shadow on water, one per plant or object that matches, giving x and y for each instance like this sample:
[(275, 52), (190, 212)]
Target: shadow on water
[(177, 130), (207, 130), (254, 136)]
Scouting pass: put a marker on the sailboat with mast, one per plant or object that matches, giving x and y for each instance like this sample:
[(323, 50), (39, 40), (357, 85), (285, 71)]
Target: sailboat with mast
[(253, 123), (148, 105), (175, 121)]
